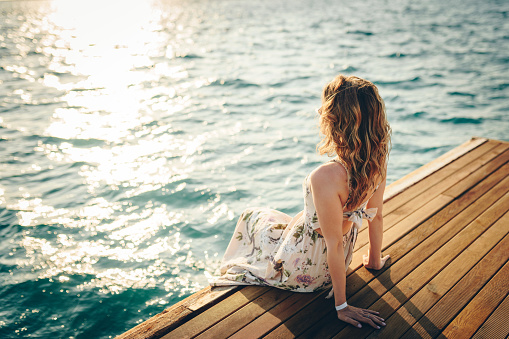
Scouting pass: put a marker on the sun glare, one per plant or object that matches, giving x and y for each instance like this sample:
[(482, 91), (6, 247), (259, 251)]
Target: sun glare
[(109, 62)]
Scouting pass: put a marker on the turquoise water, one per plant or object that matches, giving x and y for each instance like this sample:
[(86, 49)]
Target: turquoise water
[(133, 133)]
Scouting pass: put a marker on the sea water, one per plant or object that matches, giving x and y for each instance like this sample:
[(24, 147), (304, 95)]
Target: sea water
[(134, 133)]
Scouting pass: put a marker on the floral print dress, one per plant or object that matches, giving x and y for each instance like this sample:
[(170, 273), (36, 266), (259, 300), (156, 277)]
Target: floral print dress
[(265, 251)]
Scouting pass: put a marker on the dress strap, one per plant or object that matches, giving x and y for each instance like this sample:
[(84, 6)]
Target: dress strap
[(342, 163)]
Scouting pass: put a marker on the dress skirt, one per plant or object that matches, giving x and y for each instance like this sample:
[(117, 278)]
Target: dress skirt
[(265, 251)]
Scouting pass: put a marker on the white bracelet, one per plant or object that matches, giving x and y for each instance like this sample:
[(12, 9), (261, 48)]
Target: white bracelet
[(340, 307)]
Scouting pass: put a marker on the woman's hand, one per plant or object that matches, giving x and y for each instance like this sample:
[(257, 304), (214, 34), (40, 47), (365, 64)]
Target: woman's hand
[(373, 263), (354, 316)]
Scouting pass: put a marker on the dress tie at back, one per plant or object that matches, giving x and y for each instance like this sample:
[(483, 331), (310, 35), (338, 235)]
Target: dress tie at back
[(362, 213)]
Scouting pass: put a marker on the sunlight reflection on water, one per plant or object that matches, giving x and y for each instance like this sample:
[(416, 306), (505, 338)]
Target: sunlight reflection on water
[(101, 64)]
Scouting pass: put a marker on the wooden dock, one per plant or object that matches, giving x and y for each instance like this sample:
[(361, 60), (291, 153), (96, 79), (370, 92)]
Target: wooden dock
[(446, 228)]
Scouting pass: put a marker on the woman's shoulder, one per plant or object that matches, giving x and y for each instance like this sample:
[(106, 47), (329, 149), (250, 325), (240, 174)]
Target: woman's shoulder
[(331, 173)]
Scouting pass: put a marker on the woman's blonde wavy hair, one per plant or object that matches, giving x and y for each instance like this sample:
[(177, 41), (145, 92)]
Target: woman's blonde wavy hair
[(355, 128)]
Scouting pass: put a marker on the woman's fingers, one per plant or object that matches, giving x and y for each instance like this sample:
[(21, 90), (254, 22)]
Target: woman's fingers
[(371, 311), (354, 322), (369, 321), (377, 320), (350, 321), (374, 316), (355, 316), (365, 261)]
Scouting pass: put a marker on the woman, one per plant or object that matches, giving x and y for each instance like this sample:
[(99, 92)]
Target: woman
[(312, 250)]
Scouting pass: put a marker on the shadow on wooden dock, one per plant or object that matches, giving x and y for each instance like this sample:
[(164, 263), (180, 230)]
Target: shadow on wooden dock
[(446, 228)]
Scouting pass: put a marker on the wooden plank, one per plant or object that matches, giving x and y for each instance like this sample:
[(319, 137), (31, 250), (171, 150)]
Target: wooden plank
[(500, 154), (443, 172), (303, 318), (211, 295), (456, 190), (475, 312), (269, 320), (473, 173), (497, 326), (490, 149), (175, 315), (402, 227), (204, 320), (398, 270), (363, 295), (471, 201), (424, 184), (424, 171), (474, 236), (246, 314), (158, 325), (408, 311)]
